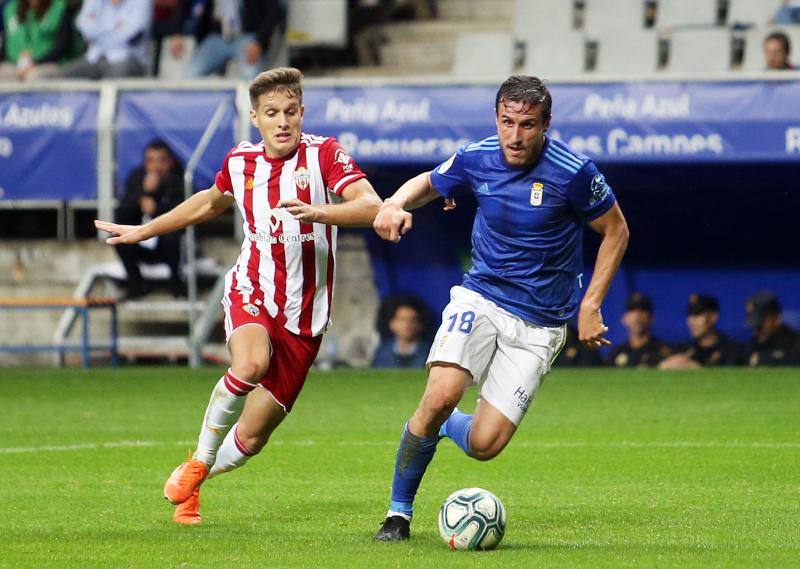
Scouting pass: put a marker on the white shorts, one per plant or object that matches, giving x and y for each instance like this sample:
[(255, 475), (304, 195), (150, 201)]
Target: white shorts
[(508, 355)]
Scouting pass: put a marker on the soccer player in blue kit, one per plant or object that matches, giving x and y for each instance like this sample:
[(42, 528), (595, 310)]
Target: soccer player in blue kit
[(506, 323)]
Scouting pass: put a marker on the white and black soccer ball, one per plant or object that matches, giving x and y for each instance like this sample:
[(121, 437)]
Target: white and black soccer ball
[(472, 518)]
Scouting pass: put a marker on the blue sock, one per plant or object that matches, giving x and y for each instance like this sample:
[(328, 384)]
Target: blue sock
[(457, 427), (413, 456)]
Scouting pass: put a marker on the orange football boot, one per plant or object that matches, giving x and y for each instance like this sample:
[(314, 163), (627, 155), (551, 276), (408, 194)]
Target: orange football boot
[(188, 512), (184, 480)]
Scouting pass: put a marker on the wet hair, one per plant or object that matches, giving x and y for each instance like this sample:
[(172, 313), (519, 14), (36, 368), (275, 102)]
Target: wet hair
[(286, 80), (782, 38), (527, 90)]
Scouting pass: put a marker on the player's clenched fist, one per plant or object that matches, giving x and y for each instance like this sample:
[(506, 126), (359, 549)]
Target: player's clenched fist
[(392, 222)]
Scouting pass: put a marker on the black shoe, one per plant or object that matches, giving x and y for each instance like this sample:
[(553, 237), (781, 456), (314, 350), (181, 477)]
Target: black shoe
[(395, 528), (137, 290)]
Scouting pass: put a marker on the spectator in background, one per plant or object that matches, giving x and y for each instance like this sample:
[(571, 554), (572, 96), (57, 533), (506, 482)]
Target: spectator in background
[(166, 23), (153, 188), (642, 348), (777, 49), (404, 325), (37, 36), (708, 346), (230, 30), (773, 342), (789, 13), (116, 32), (575, 354)]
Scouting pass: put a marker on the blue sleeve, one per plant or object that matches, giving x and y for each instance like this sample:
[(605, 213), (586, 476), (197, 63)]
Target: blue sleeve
[(451, 174), (589, 194)]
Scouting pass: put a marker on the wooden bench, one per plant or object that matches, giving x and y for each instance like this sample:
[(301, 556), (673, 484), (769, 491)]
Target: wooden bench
[(83, 306)]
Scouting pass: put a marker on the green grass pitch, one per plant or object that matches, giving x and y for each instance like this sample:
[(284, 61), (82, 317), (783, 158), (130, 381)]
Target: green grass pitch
[(610, 468)]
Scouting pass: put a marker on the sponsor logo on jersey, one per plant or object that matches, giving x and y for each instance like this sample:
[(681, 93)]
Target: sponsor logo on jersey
[(537, 192), (276, 216), (483, 189), (302, 178), (599, 189), (344, 159), (251, 309), (523, 398)]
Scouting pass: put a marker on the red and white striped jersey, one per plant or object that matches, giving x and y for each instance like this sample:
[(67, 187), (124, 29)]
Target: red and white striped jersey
[(285, 265)]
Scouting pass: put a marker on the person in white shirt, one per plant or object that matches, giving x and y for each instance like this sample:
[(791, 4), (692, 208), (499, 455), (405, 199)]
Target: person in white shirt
[(116, 32)]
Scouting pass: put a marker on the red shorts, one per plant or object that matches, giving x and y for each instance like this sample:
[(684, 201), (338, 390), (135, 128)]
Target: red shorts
[(291, 355)]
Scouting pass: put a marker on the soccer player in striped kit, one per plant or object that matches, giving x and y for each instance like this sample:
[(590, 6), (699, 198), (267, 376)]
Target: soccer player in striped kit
[(292, 190)]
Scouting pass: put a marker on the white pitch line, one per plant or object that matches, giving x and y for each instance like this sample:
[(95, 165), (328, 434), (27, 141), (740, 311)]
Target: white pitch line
[(525, 444)]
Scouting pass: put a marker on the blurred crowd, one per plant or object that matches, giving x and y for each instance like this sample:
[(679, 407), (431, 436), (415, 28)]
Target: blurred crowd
[(404, 326), (95, 39)]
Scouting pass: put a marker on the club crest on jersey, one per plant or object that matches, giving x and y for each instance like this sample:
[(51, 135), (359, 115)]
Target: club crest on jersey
[(344, 159), (302, 178), (248, 185), (537, 192), (251, 309)]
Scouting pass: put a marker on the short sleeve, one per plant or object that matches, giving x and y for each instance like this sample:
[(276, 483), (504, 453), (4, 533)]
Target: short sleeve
[(450, 175), (223, 178), (338, 167), (589, 193)]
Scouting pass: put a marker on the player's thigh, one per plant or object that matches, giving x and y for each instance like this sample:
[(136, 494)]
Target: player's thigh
[(249, 346), (491, 431), (518, 367), (261, 416), (445, 388), (467, 336)]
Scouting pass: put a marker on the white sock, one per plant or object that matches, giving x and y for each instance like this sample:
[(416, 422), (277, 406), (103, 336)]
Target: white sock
[(232, 454), (222, 412)]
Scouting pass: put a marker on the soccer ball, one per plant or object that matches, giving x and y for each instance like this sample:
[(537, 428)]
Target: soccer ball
[(472, 518)]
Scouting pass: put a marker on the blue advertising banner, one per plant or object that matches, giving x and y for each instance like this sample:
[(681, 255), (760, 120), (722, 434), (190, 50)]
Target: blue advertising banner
[(48, 145), (179, 119), (658, 122)]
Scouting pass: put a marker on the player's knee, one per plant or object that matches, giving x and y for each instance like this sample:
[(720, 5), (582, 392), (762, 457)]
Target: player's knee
[(484, 449), (439, 405), (252, 442), (250, 370)]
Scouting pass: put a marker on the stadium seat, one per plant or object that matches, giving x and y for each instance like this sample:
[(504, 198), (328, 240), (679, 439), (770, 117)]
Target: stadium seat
[(172, 68), (602, 17), (700, 50), (628, 52), (317, 23), (549, 57), (754, 45), (676, 13), (549, 18), (757, 12), (484, 54)]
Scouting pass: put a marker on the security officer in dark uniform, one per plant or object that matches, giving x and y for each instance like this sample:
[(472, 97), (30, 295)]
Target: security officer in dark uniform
[(708, 346), (642, 348), (773, 342)]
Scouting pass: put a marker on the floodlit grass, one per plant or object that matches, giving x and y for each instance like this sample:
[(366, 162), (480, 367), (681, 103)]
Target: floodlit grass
[(610, 468)]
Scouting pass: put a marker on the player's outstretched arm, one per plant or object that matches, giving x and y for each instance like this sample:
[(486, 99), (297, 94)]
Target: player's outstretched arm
[(202, 206), (359, 205), (393, 219), (614, 229)]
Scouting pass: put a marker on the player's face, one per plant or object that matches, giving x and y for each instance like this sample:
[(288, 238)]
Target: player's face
[(701, 324), (521, 131), (278, 118), (774, 55)]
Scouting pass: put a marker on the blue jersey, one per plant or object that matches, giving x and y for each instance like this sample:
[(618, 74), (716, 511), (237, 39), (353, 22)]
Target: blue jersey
[(527, 252)]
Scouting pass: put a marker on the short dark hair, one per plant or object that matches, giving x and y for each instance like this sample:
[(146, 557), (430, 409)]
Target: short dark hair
[(392, 304), (159, 144), (781, 37), (286, 80), (525, 89)]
